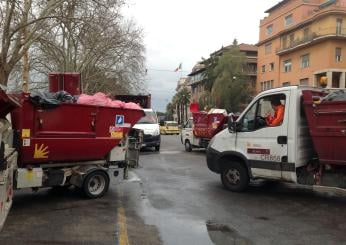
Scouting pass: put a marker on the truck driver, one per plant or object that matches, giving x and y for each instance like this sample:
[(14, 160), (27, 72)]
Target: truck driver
[(276, 120)]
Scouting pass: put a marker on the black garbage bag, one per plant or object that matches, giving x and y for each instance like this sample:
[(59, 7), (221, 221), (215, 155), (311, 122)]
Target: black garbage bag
[(339, 95), (63, 96), (44, 99)]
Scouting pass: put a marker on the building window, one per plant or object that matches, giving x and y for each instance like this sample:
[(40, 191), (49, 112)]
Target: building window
[(292, 40), (271, 67), (268, 48), (338, 26), (267, 85), (287, 65), (269, 29), (263, 68), (338, 54), (284, 42), (304, 61), (288, 20), (286, 84), (304, 82), (306, 34)]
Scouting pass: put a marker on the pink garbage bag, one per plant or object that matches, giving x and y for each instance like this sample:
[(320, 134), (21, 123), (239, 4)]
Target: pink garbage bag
[(131, 105), (85, 99), (117, 103)]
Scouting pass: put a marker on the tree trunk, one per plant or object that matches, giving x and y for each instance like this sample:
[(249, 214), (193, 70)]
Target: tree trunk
[(182, 113), (4, 75), (178, 112), (186, 116)]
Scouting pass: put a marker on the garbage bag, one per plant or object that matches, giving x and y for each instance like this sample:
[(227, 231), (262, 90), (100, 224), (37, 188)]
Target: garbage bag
[(339, 95), (99, 99), (131, 105), (64, 96), (44, 99)]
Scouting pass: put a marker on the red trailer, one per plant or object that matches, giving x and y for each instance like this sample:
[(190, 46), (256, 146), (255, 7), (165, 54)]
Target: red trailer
[(69, 144), (70, 132)]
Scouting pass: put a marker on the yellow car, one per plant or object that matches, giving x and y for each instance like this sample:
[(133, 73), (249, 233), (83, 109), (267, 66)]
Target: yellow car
[(169, 127)]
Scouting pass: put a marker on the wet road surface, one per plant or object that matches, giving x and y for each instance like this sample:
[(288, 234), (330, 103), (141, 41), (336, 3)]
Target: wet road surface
[(186, 202), (174, 199)]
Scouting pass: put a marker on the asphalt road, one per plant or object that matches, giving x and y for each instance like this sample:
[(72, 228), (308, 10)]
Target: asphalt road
[(174, 199)]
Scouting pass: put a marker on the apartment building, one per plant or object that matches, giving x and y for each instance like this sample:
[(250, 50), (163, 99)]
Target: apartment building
[(302, 41), (197, 81), (197, 76)]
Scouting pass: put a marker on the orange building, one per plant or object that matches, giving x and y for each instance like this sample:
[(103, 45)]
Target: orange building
[(300, 42)]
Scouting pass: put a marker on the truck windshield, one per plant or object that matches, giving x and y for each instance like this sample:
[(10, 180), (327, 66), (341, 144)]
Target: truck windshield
[(149, 118)]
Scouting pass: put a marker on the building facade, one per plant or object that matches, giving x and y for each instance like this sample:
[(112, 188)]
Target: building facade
[(302, 41), (197, 76), (197, 81)]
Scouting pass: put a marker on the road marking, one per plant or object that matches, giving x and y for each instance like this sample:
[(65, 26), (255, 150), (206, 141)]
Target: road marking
[(170, 152), (123, 238)]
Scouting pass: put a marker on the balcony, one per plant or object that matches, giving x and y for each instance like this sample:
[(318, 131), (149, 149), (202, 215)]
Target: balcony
[(314, 37)]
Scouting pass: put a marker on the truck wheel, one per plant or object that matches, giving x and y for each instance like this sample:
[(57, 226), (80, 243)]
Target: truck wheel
[(235, 177), (188, 146), (96, 184), (157, 148)]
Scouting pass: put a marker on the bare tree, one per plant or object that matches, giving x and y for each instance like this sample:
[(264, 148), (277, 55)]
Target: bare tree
[(93, 38), (89, 36), (17, 16)]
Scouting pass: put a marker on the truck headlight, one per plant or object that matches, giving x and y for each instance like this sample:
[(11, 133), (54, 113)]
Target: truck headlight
[(156, 132)]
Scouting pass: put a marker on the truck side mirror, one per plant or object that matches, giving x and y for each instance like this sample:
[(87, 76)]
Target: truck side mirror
[(233, 126), (230, 124)]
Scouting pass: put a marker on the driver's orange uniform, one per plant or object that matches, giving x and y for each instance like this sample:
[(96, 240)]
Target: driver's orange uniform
[(278, 117)]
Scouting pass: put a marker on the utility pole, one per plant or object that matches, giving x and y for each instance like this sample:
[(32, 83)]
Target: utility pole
[(25, 73)]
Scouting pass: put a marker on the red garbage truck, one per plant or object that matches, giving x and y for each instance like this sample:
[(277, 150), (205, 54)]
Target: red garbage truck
[(198, 130), (63, 145)]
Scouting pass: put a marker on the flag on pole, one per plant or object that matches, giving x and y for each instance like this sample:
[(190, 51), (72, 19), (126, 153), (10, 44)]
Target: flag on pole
[(178, 68)]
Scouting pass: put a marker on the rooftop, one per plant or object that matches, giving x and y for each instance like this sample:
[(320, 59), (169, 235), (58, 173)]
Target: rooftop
[(278, 5)]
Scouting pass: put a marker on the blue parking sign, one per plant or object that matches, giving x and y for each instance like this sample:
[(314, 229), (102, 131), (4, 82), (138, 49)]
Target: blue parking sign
[(119, 120)]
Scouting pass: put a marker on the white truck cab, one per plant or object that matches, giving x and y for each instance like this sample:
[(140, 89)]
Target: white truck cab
[(249, 149), (189, 140)]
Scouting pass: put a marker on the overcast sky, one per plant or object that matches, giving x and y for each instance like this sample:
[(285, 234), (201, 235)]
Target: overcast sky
[(183, 31)]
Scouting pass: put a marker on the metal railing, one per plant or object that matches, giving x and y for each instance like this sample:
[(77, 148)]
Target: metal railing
[(321, 33)]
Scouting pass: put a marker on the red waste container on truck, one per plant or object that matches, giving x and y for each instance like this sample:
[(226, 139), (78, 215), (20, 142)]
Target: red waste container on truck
[(207, 124), (69, 132), (327, 126)]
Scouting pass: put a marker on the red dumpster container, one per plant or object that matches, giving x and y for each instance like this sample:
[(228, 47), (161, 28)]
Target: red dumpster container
[(69, 132), (67, 81), (327, 125), (206, 125)]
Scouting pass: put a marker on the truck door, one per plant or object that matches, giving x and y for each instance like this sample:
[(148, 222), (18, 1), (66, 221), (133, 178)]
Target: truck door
[(263, 144)]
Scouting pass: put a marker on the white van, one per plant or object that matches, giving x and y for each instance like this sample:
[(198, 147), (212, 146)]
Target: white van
[(151, 128)]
